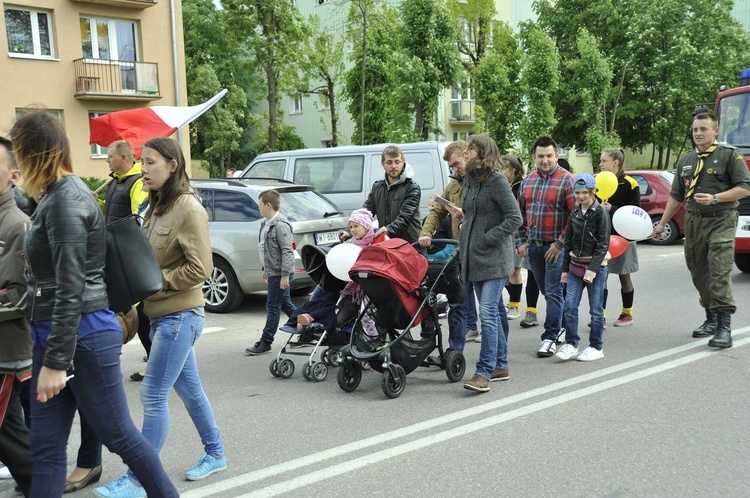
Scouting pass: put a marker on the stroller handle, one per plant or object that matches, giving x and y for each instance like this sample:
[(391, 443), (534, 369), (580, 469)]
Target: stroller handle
[(452, 242)]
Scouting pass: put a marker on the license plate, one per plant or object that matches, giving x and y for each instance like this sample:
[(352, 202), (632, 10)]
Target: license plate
[(323, 238)]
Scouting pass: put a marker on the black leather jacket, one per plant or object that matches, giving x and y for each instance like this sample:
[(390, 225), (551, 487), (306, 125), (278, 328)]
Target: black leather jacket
[(65, 255), (587, 236)]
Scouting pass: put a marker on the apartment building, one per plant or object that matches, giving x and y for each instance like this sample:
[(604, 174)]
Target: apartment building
[(84, 58)]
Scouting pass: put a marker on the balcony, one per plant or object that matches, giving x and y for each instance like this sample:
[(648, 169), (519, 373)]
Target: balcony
[(132, 4), (462, 111), (103, 79)]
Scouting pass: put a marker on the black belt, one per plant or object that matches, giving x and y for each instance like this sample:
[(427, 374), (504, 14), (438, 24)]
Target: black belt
[(540, 243), (710, 214)]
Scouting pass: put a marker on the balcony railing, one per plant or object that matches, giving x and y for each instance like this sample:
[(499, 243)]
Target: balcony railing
[(462, 111), (133, 4), (108, 79)]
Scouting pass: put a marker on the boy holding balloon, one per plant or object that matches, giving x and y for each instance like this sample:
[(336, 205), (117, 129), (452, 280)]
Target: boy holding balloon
[(585, 266), (277, 258)]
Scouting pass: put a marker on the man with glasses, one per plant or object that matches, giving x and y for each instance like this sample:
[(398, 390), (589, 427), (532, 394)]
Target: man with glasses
[(395, 199)]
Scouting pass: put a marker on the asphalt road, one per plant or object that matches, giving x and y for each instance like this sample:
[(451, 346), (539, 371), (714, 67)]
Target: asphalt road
[(660, 415)]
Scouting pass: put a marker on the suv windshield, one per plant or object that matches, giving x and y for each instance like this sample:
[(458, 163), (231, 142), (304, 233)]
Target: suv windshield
[(304, 205)]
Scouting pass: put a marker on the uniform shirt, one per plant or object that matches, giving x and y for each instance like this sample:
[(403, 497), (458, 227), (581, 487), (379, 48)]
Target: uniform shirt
[(723, 169), (546, 204)]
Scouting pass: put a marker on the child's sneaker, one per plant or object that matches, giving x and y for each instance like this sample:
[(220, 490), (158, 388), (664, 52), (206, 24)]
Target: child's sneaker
[(124, 487), (567, 351), (590, 354), (207, 465), (624, 320), (513, 312)]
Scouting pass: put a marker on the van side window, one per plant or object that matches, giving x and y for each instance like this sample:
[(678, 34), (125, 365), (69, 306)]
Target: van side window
[(421, 163), (267, 169), (234, 206), (331, 175)]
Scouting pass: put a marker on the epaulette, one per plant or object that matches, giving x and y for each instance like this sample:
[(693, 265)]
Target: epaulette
[(633, 182)]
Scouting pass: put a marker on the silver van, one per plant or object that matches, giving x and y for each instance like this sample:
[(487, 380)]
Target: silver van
[(345, 174)]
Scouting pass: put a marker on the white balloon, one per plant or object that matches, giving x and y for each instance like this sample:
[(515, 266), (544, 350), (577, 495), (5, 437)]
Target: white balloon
[(632, 223), (340, 260)]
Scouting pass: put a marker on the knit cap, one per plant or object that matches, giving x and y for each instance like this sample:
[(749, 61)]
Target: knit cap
[(362, 217)]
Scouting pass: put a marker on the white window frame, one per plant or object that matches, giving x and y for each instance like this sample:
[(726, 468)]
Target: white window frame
[(114, 52), (98, 151), (35, 33), (55, 113), (296, 107)]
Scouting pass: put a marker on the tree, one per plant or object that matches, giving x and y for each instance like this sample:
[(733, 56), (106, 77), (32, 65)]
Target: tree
[(269, 33), (373, 31), (540, 77), (323, 61), (495, 83), (428, 40), (216, 136), (474, 37)]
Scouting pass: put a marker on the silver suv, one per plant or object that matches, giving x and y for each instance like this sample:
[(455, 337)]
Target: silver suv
[(234, 225)]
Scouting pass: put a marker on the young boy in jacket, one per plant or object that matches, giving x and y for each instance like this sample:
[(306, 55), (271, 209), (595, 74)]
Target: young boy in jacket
[(277, 261), (585, 266)]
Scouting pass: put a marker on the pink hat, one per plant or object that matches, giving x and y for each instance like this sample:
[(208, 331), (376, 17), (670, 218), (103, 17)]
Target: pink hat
[(362, 217)]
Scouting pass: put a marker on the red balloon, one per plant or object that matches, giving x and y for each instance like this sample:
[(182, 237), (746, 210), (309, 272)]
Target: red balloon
[(617, 245)]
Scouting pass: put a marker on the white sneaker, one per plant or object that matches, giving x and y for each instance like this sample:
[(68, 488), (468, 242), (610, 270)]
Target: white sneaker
[(513, 312), (590, 354), (5, 473), (471, 334), (546, 349), (478, 338), (566, 352)]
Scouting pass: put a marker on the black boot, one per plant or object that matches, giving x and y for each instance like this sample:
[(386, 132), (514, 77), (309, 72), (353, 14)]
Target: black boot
[(723, 336), (709, 326)]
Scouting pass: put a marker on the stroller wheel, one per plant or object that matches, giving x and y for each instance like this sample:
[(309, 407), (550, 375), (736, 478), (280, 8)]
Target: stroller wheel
[(307, 371), (394, 381), (274, 368), (349, 376), (335, 358), (319, 372), (286, 368), (455, 365), (364, 364)]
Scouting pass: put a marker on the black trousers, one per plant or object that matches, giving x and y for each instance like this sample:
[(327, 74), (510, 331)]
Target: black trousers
[(14, 438)]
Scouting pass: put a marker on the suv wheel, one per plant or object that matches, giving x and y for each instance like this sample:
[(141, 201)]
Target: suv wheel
[(221, 291)]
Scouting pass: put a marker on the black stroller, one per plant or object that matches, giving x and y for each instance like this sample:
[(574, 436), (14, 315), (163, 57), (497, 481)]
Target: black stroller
[(322, 306), (402, 295)]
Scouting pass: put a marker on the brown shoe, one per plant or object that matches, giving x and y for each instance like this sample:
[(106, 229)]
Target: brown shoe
[(478, 383), (499, 374)]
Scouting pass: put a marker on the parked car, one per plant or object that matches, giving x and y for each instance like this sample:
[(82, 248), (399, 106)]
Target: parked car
[(655, 186), (234, 225), (345, 174)]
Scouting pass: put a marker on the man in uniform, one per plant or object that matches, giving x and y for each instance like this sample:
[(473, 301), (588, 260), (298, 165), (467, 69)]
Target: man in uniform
[(395, 199), (710, 179)]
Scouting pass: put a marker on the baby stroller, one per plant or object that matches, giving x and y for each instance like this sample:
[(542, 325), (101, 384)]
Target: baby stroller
[(394, 277), (322, 306)]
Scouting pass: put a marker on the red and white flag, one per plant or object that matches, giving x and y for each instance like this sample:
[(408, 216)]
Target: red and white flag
[(138, 126)]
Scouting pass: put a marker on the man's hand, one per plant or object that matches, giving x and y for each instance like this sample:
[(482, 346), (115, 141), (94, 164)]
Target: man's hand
[(284, 282), (658, 229), (455, 211), (381, 230), (425, 241), (265, 276), (50, 383), (344, 236), (523, 250), (552, 254)]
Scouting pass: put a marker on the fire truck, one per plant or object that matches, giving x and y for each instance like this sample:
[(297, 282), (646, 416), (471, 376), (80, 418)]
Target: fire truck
[(732, 108)]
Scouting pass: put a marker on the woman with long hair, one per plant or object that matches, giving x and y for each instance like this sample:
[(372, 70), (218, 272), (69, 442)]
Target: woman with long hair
[(177, 228), (627, 194), (490, 216), (77, 340)]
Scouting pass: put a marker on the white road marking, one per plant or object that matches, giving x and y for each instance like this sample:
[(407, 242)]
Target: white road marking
[(334, 470)]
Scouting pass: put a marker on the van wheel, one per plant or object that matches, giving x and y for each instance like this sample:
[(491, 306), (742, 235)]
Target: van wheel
[(221, 290)]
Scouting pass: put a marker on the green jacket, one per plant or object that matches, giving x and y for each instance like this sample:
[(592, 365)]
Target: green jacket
[(454, 192)]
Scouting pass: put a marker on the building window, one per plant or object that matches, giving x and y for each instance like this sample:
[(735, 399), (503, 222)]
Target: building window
[(321, 2), (55, 113), (296, 104), (98, 150), (108, 39), (461, 135), (29, 32)]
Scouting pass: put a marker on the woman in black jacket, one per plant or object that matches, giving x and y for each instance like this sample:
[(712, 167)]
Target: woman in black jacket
[(77, 340)]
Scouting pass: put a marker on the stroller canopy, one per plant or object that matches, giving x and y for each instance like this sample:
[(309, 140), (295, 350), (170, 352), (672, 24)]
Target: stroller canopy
[(314, 261)]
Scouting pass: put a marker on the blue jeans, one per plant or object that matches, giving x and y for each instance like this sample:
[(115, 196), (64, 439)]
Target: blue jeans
[(547, 276), (596, 307), (457, 326), (90, 450), (278, 300), (97, 390), (494, 350), (470, 306), (172, 363)]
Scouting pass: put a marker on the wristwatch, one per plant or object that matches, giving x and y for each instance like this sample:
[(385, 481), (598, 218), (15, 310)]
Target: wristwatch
[(716, 199)]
